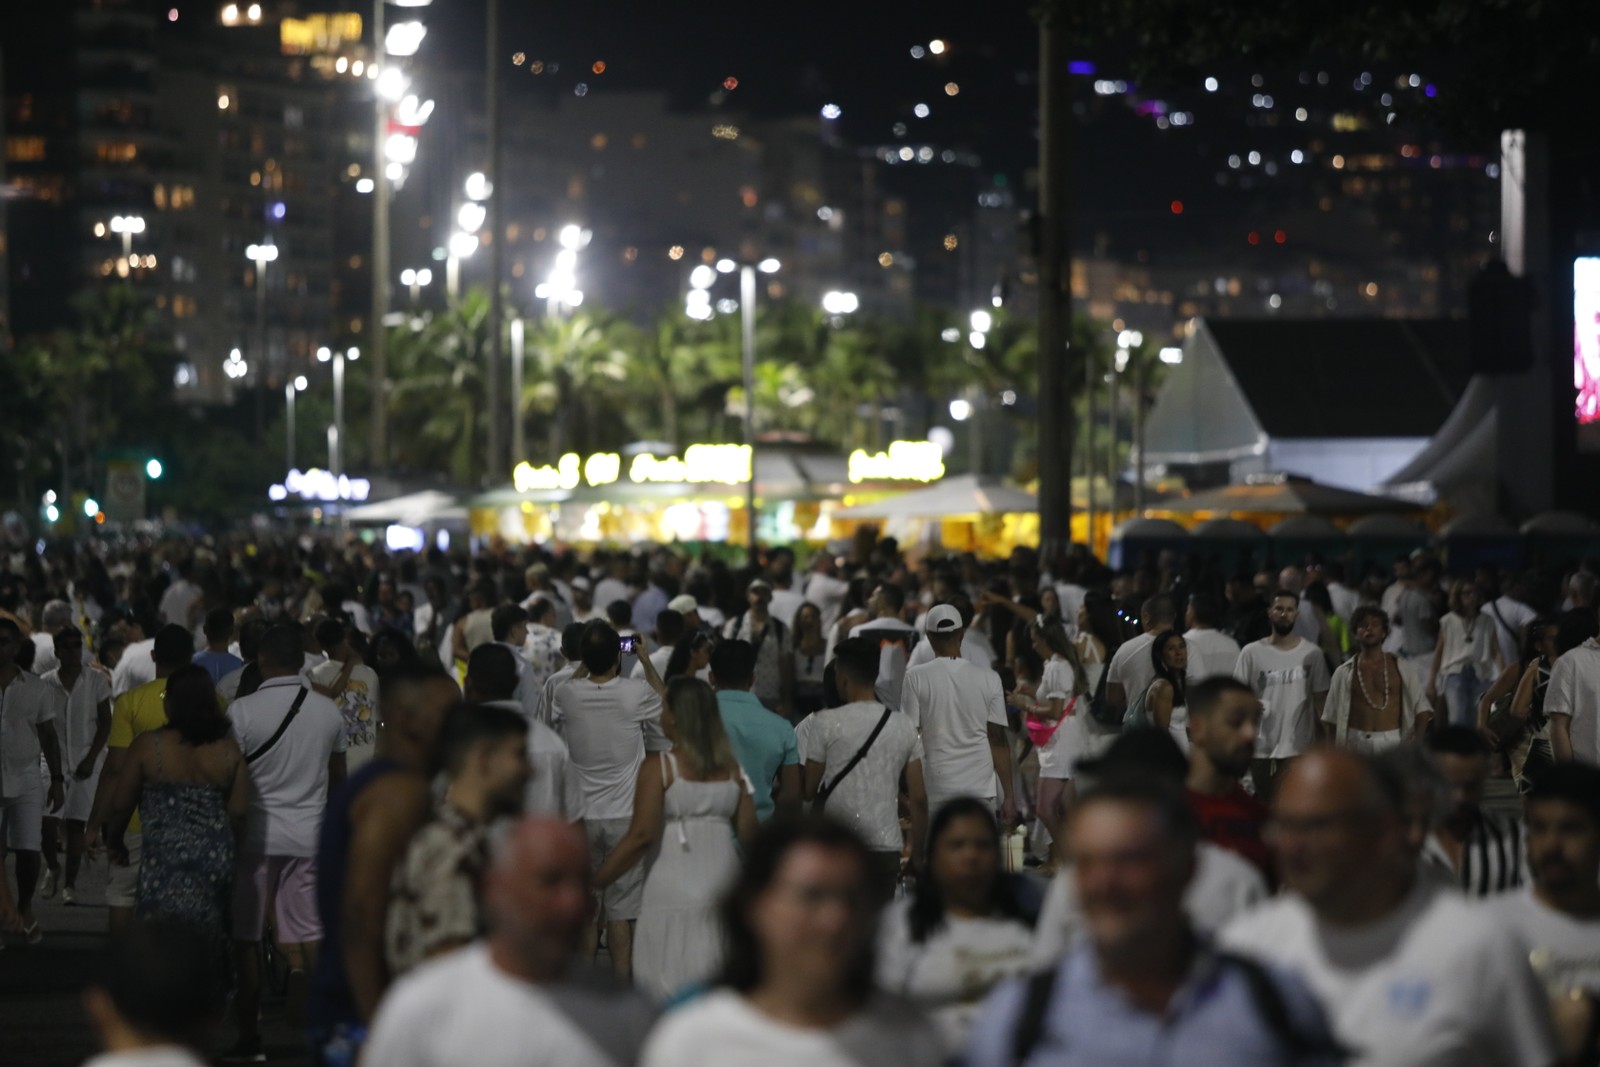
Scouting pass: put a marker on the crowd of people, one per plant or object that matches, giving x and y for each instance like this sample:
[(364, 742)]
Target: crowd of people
[(535, 807)]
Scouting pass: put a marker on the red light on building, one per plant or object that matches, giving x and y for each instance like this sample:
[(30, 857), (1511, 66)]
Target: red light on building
[(1280, 237), (1254, 238), (1177, 207)]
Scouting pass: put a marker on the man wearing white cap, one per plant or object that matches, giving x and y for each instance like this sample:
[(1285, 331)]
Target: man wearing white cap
[(774, 683), (960, 708), (583, 609), (689, 608)]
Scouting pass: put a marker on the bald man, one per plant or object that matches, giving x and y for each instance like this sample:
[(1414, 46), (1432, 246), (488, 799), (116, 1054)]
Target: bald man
[(1410, 973), (524, 997)]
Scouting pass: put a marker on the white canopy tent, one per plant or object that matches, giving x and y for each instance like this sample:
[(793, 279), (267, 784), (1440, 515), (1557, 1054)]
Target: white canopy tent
[(413, 509), (962, 496)]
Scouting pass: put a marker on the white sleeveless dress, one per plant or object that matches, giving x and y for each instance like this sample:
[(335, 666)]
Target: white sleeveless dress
[(678, 940)]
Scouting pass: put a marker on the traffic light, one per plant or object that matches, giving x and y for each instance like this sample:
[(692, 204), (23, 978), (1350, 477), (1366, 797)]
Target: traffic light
[(153, 469)]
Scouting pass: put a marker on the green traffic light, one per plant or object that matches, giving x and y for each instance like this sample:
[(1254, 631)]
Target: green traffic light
[(153, 469)]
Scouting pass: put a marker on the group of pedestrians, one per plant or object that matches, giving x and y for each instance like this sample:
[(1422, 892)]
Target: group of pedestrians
[(728, 816)]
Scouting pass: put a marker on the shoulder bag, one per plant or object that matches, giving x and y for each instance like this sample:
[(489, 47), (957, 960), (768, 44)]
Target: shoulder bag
[(294, 709)]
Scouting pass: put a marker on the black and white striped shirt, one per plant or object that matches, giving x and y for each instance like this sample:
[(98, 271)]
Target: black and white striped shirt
[(1493, 856)]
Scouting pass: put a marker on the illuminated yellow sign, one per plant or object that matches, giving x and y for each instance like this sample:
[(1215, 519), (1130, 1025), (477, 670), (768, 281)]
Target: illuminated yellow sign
[(602, 468), (699, 465), (318, 33), (527, 477), (906, 461)]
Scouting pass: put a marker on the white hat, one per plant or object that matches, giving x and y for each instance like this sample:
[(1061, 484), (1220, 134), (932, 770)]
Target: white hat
[(684, 604), (944, 619), (580, 582)]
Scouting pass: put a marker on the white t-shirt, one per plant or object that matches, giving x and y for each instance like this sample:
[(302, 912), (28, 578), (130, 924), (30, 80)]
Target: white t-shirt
[(461, 1008), (658, 660), (1575, 692), (24, 704), (1564, 951), (953, 703), (1467, 645), (289, 783), (950, 973), (867, 799), (722, 1030), (975, 649), (893, 656), (1438, 983), (1131, 667), (1211, 652), (547, 697), (608, 591), (359, 706), (1286, 683), (785, 602), (553, 789), (607, 727), (1225, 886), (79, 714), (827, 593), (177, 600), (136, 667), (1509, 616)]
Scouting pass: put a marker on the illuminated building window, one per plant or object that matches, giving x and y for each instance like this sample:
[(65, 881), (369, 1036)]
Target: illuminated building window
[(24, 149), (116, 152)]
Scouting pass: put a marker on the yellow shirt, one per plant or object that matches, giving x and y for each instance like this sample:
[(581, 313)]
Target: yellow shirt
[(136, 712)]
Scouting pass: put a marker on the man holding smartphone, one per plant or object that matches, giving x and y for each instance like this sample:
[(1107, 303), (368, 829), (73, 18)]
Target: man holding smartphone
[(609, 723)]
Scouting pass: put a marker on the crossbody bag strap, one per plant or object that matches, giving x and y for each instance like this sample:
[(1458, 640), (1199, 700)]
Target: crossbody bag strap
[(294, 709), (825, 791)]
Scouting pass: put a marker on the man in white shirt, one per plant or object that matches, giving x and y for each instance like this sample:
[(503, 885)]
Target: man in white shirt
[(960, 709), (826, 589), (82, 727), (583, 607), (553, 789), (1512, 614), (523, 997), (28, 709), (1211, 652), (894, 637), (357, 697), (541, 646), (1289, 675), (785, 600), (1572, 702), (137, 666), (1411, 974), (670, 625), (866, 796), (1131, 670), (609, 722), (177, 603), (56, 615), (975, 647), (1557, 917), (295, 755), (571, 649), (508, 624)]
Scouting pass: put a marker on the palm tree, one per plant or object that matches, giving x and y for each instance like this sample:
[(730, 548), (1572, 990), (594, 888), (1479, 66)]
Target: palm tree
[(581, 368), (437, 395)]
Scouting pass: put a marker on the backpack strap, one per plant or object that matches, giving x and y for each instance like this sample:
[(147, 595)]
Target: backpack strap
[(1029, 1028), (294, 709)]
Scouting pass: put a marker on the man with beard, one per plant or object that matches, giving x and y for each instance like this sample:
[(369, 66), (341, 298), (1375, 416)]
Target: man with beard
[(435, 897), (1224, 719), (1557, 918), (1372, 704), (1289, 675)]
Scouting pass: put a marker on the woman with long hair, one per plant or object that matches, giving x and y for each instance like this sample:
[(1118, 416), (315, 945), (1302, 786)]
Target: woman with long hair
[(690, 656), (967, 925), (688, 805), (1100, 634), (1525, 683), (1467, 657), (1053, 719), (1167, 698), (192, 790), (797, 987), (810, 658)]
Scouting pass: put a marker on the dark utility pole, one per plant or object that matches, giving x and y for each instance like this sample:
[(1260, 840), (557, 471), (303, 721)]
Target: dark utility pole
[(1055, 296), (496, 469)]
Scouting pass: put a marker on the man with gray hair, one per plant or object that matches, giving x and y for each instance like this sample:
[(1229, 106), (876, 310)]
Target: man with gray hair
[(56, 616)]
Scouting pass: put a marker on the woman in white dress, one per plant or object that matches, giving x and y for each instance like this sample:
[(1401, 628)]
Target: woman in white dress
[(1053, 720), (1100, 634), (688, 805), (1166, 700)]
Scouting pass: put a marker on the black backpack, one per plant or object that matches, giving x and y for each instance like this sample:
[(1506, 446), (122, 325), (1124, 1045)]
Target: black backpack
[(1100, 709)]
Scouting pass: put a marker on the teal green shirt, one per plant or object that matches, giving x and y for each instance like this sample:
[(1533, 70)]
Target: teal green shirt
[(762, 741)]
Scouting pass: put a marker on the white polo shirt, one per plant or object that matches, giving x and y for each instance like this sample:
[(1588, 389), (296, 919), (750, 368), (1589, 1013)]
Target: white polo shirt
[(289, 783), (953, 703), (1575, 692), (1131, 667), (608, 727), (24, 704), (1211, 652)]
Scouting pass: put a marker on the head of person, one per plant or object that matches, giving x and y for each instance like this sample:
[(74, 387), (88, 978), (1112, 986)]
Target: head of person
[(808, 621), (582, 593), (687, 606), (1463, 758), (572, 641), (691, 720), (542, 612), (218, 626), (536, 576), (1050, 601), (1581, 588), (1316, 593), (758, 595), (1203, 613), (491, 674), (390, 649), (1283, 611), (333, 638), (55, 615), (250, 634), (1540, 641), (68, 645), (1144, 751), (413, 703), (1369, 624), (282, 651), (690, 656), (669, 628), (1098, 616), (156, 985), (887, 600), (855, 669), (485, 748), (1050, 638), (1131, 840), (538, 897), (1293, 579), (1157, 613), (509, 624), (1562, 812), (803, 903), (173, 648), (601, 649), (1466, 598), (733, 665), (1169, 653), (945, 629), (1429, 799), (482, 595), (963, 869), (1341, 833), (1224, 719), (619, 613), (190, 700)]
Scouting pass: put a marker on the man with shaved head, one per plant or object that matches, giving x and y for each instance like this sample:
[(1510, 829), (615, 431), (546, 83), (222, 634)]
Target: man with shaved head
[(1411, 974), (523, 997)]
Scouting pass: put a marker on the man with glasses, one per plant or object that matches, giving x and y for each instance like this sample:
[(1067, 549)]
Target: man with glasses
[(1289, 675), (1372, 704), (1409, 971), (82, 726)]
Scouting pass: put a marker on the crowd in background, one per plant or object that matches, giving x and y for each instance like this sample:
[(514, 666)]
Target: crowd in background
[(850, 808)]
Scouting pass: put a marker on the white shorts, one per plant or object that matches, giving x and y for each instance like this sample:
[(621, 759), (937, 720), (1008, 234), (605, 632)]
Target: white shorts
[(1371, 743), (621, 899), (122, 883), (21, 820)]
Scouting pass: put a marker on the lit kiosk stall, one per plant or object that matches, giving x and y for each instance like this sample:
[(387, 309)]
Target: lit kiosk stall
[(698, 496)]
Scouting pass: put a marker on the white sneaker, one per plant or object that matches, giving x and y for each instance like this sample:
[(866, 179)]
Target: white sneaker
[(47, 884), (68, 896)]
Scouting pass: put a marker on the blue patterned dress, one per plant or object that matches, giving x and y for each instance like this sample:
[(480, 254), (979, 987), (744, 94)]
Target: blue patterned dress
[(188, 868)]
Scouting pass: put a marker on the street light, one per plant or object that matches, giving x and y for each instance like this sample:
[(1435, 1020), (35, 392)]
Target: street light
[(838, 303), (127, 226), (289, 389), (462, 246), (414, 280), (261, 255), (234, 366), (747, 322)]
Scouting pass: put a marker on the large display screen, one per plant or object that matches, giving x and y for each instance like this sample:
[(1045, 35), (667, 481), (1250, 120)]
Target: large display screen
[(1586, 348)]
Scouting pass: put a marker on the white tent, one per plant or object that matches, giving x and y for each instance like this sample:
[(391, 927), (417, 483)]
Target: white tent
[(958, 497), (413, 509)]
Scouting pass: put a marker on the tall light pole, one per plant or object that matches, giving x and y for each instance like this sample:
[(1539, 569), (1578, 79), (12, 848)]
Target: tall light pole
[(380, 254), (289, 389), (336, 437), (518, 444), (127, 226), (261, 255), (1055, 295), (497, 256), (747, 324)]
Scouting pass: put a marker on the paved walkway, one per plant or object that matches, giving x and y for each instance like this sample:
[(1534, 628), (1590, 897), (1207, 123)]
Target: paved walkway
[(42, 1021)]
